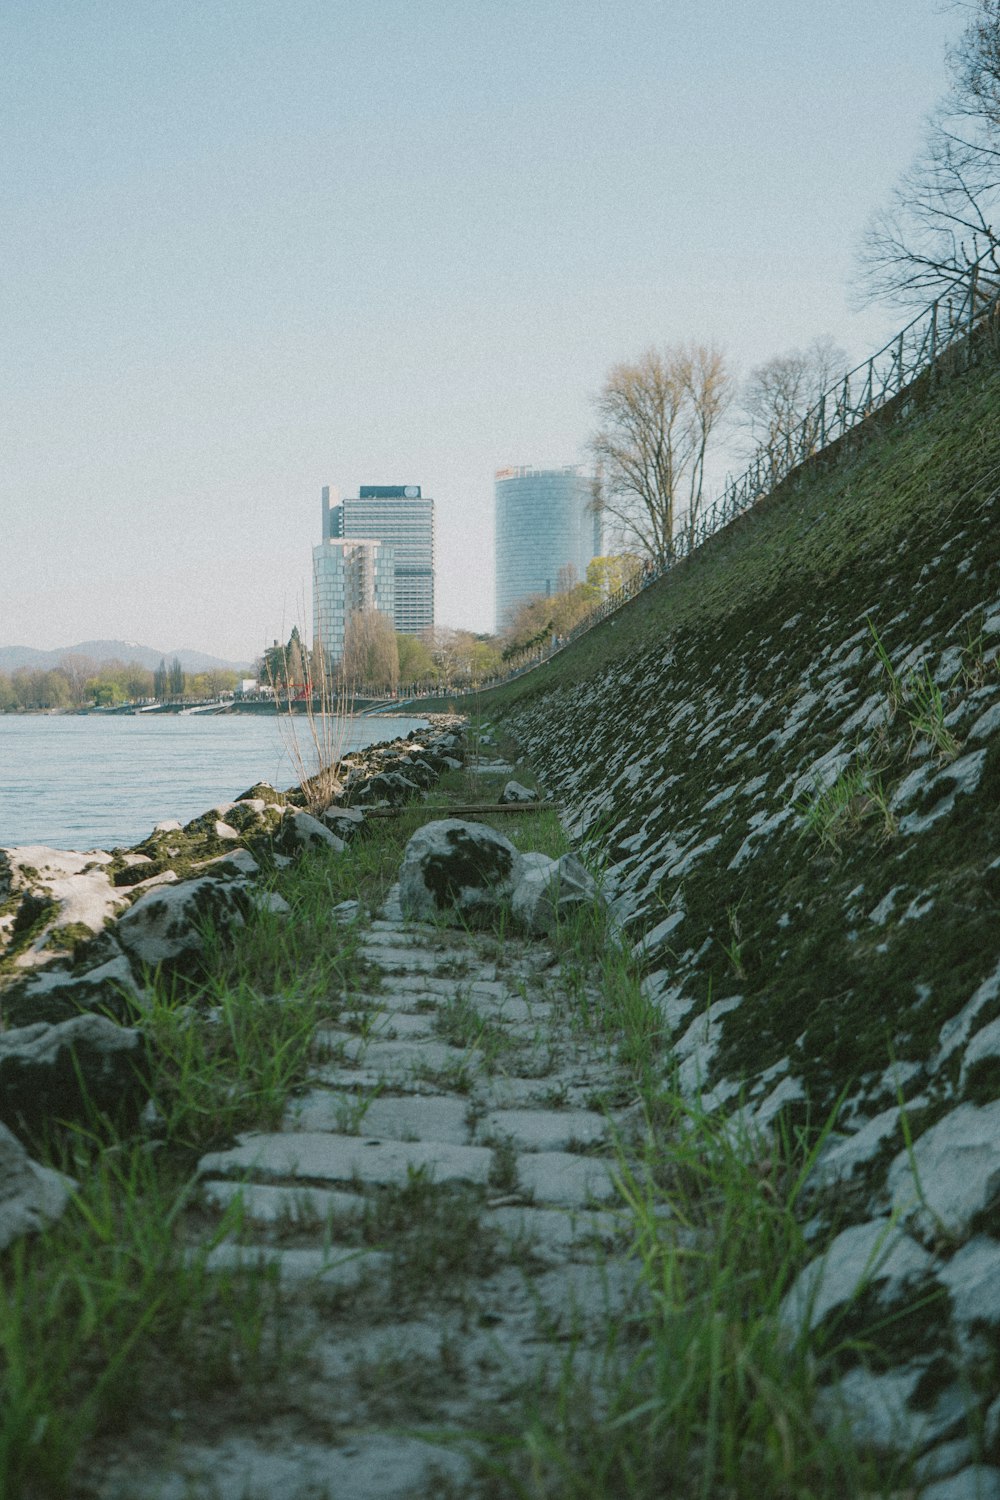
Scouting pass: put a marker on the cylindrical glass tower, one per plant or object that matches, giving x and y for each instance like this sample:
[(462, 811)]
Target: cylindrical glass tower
[(547, 531)]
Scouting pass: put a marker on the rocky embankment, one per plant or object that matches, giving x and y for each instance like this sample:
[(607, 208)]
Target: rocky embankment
[(793, 782), (81, 935)]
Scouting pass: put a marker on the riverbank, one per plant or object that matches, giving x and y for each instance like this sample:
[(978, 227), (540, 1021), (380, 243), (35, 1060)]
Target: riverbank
[(406, 1211)]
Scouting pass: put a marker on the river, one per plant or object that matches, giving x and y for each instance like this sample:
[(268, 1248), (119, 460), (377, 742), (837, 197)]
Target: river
[(101, 781)]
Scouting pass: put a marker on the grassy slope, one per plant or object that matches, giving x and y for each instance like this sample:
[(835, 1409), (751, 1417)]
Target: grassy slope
[(697, 682)]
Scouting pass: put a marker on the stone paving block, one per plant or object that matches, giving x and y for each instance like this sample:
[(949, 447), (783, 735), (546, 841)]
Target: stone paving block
[(321, 1156), (559, 1177), (389, 1059), (412, 960), (401, 1117), (556, 1233), (360, 1466), (341, 1267), (545, 1129), (264, 1203), (401, 1025)]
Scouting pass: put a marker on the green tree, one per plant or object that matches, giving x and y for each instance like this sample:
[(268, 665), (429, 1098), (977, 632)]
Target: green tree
[(176, 678), (608, 574), (416, 663), (371, 656)]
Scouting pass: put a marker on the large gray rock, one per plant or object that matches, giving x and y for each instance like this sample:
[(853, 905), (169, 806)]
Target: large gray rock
[(57, 994), (547, 891), (514, 792), (300, 831), (165, 926), (952, 1173), (877, 1254), (30, 1196), (61, 1072), (457, 870), (345, 822)]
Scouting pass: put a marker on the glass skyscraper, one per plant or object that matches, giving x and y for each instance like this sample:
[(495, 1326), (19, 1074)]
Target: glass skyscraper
[(401, 517), (349, 577), (547, 531)]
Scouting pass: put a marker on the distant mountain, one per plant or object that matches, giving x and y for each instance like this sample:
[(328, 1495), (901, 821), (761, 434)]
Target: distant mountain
[(13, 657)]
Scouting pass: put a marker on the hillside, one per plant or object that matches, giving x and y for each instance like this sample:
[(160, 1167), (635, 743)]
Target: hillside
[(787, 756), (14, 657)]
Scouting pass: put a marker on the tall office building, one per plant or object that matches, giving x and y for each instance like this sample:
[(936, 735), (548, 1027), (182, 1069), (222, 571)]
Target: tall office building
[(546, 524), (403, 518), (349, 576)]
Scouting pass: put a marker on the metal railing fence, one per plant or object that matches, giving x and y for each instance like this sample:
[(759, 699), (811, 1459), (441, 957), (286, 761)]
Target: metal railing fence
[(946, 327)]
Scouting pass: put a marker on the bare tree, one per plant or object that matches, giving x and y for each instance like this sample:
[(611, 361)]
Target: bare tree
[(780, 403), (943, 214), (371, 656), (656, 418)]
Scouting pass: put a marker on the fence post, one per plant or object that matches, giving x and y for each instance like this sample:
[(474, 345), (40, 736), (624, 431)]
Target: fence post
[(934, 312)]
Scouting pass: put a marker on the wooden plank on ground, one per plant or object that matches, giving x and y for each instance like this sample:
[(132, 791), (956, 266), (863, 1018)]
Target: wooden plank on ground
[(467, 811)]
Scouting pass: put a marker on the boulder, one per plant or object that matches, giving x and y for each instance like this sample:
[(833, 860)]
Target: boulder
[(344, 821), (62, 1072), (165, 926), (30, 1196), (515, 792), (300, 830), (546, 891), (239, 865), (952, 1175), (389, 787), (57, 993), (457, 870)]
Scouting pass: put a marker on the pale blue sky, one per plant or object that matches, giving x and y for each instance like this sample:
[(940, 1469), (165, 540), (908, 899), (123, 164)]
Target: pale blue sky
[(253, 248)]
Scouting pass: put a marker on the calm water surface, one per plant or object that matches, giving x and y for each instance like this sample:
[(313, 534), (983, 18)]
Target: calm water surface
[(102, 781)]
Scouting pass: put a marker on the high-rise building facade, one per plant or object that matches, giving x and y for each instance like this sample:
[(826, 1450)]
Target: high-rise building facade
[(401, 517), (349, 577), (547, 531)]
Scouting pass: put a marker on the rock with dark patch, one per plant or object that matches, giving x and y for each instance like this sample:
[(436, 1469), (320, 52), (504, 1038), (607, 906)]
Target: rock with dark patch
[(456, 870), (57, 993), (166, 926), (547, 891), (31, 1196), (64, 1072), (390, 788), (262, 791), (300, 830), (515, 792), (345, 822)]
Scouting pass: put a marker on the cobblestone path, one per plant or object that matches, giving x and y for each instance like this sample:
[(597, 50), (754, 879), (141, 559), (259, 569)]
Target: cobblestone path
[(440, 1207)]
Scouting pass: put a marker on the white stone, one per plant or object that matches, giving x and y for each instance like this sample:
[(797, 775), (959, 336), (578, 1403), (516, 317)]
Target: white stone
[(31, 1196), (957, 1166), (985, 1044), (399, 1117), (164, 924), (874, 1254), (515, 792), (265, 1203), (326, 1157), (455, 870), (972, 1276), (546, 891), (955, 1031), (842, 1155), (336, 1266), (977, 1482), (545, 1129)]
